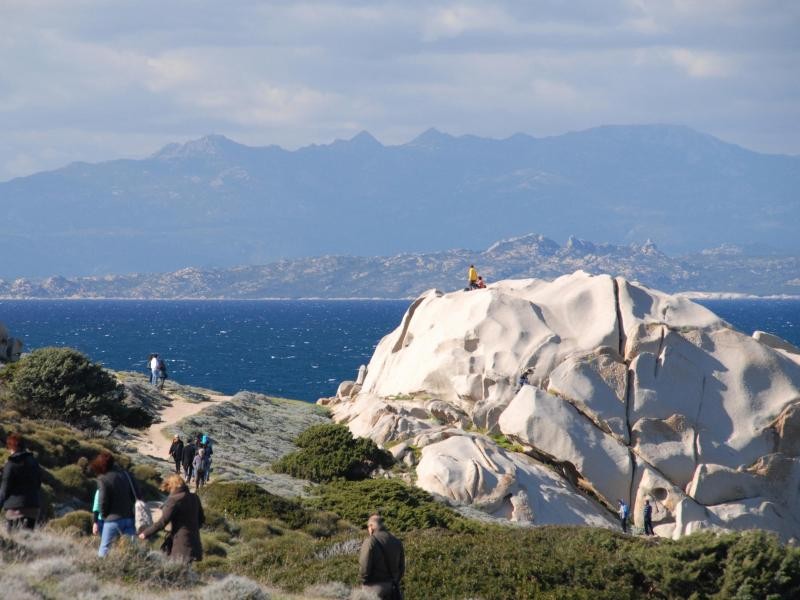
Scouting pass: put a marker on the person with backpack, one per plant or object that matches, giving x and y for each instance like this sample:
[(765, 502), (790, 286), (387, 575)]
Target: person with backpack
[(176, 452), (118, 495), (199, 466), (21, 484), (624, 513), (381, 562)]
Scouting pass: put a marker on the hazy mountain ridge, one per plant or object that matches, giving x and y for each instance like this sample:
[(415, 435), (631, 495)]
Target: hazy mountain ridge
[(726, 269), (215, 202)]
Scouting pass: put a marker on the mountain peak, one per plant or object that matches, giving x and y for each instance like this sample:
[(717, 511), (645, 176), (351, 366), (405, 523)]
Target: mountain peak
[(431, 138), (365, 138), (209, 145)]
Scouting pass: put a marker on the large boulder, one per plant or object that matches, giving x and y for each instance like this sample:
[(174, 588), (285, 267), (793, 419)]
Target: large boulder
[(629, 393)]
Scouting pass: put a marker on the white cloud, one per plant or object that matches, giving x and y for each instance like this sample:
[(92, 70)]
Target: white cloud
[(89, 79)]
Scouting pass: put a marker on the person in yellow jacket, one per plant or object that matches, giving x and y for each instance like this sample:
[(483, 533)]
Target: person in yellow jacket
[(472, 278)]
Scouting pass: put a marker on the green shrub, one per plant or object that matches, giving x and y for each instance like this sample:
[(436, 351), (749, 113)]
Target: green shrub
[(63, 384), (249, 501), (212, 546), (402, 506), (79, 521), (328, 451), (74, 481), (256, 529), (135, 563)]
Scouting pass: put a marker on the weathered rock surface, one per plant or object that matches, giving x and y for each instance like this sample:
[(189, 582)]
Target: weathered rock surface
[(632, 394)]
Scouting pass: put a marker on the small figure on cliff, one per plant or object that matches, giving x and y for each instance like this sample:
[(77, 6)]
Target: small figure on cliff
[(162, 372), (176, 452), (472, 278), (624, 513), (648, 518), (20, 490), (523, 379), (154, 372), (187, 459), (481, 284), (381, 563)]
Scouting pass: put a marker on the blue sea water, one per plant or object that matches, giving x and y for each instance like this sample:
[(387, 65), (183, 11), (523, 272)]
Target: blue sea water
[(297, 349)]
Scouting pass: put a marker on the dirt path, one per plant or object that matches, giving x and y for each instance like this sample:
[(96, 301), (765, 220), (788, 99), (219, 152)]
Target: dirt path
[(154, 442)]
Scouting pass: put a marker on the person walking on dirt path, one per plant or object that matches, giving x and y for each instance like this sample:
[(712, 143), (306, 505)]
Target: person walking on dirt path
[(187, 460), (176, 452), (21, 485), (162, 372)]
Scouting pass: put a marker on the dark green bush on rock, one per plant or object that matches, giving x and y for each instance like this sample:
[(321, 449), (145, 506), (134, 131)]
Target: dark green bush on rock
[(63, 384), (402, 506), (78, 521), (329, 451)]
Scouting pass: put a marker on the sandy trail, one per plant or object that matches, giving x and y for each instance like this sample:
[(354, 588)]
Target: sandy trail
[(154, 442)]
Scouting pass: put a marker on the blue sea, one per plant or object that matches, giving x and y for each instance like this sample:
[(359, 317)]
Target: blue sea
[(296, 348)]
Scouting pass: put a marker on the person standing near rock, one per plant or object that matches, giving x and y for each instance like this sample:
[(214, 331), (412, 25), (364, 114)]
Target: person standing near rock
[(162, 372), (118, 494), (381, 562), (176, 452), (648, 518), (624, 513), (184, 512), (472, 278), (20, 488)]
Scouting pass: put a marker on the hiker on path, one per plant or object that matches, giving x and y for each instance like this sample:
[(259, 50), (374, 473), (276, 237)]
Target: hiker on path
[(381, 563), (472, 278), (199, 466), (176, 452), (184, 512), (624, 513), (162, 372), (118, 494), (20, 487), (648, 518), (205, 443), (154, 370), (187, 459)]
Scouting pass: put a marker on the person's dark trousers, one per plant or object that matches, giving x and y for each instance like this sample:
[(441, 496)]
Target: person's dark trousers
[(20, 523), (178, 466), (624, 522), (648, 527)]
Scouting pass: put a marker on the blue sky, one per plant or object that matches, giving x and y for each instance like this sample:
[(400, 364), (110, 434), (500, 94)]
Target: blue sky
[(100, 79)]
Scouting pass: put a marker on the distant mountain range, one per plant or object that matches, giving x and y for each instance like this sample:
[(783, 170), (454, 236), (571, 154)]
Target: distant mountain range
[(724, 269), (215, 203)]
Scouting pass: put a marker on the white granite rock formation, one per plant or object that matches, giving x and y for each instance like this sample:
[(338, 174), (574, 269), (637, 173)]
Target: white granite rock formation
[(632, 394)]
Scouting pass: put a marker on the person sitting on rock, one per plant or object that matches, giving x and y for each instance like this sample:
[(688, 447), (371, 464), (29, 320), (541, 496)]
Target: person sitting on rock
[(481, 284)]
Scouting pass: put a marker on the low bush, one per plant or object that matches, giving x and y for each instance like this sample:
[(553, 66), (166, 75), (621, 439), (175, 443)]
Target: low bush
[(249, 501), (328, 451), (73, 480), (134, 563), (402, 506), (77, 521)]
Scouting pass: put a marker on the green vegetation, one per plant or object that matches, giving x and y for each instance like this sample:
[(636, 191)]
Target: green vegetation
[(62, 384), (329, 451), (249, 501), (403, 507)]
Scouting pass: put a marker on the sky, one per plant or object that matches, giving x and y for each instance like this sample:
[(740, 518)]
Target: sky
[(93, 80)]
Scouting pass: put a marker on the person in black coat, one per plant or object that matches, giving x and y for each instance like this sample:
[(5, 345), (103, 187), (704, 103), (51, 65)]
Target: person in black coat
[(20, 487), (176, 452), (187, 459)]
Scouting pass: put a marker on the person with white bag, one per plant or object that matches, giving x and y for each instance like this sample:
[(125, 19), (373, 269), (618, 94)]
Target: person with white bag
[(120, 501)]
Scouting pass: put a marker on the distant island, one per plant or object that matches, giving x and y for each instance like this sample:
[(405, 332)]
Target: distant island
[(726, 270)]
